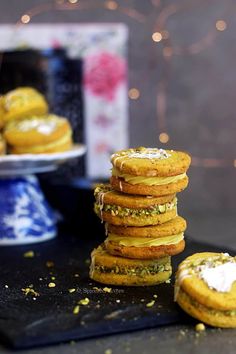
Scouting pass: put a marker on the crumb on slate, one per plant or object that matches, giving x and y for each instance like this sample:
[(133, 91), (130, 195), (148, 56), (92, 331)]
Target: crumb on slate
[(29, 254), (200, 327), (76, 310), (30, 291), (84, 301), (51, 285), (106, 289), (71, 290), (150, 304)]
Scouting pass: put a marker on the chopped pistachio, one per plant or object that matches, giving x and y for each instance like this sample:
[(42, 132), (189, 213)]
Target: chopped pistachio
[(51, 285), (107, 290), (108, 351), (84, 301), (30, 291), (29, 254), (71, 290), (200, 327), (76, 310), (150, 304)]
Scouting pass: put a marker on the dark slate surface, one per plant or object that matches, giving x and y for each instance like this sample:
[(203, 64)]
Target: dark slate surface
[(26, 322)]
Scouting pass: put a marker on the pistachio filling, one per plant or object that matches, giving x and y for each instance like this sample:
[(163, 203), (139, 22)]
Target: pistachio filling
[(149, 181), (117, 210), (146, 241), (134, 271), (198, 306)]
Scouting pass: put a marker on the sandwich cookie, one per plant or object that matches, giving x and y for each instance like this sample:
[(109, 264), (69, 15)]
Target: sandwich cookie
[(149, 171), (23, 102), (133, 210), (148, 242), (109, 269), (42, 134), (205, 288)]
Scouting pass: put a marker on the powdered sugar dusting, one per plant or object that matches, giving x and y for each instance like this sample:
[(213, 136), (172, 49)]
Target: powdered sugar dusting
[(45, 127), (150, 154)]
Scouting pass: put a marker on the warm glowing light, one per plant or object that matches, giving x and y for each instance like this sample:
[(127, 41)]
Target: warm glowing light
[(234, 163), (167, 52), (111, 5), (156, 36), (164, 138), (221, 25), (134, 94), (25, 19), (73, 1), (165, 34)]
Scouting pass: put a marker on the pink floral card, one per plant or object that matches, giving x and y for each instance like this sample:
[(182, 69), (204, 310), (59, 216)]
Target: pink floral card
[(102, 47)]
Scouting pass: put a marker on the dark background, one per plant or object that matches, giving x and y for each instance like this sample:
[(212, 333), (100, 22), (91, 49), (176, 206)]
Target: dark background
[(193, 74)]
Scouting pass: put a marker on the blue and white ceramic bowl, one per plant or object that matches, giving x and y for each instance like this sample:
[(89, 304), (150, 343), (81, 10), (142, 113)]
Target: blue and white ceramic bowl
[(25, 216)]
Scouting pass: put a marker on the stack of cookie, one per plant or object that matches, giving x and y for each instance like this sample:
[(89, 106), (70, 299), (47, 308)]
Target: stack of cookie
[(139, 208)]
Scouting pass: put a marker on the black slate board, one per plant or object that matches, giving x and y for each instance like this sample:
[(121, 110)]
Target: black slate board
[(27, 322)]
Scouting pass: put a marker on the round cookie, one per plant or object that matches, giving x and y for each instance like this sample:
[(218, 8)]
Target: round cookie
[(148, 242), (42, 134), (133, 210), (149, 171), (23, 102), (205, 288), (109, 269)]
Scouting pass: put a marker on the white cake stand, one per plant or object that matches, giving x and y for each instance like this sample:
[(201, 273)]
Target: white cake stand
[(25, 216)]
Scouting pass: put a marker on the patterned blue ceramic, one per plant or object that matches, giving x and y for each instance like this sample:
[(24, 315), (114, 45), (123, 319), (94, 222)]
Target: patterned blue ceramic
[(25, 216)]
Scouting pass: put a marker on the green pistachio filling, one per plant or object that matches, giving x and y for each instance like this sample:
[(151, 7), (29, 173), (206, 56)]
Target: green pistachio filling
[(117, 210), (137, 271), (197, 305)]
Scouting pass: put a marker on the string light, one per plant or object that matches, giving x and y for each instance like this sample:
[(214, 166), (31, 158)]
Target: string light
[(221, 25), (164, 138), (25, 19), (111, 5), (134, 94), (168, 51), (156, 36)]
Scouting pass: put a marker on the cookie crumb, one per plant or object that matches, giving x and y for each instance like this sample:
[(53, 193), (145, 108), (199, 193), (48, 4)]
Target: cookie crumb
[(200, 327), (155, 296), (76, 275), (6, 286)]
